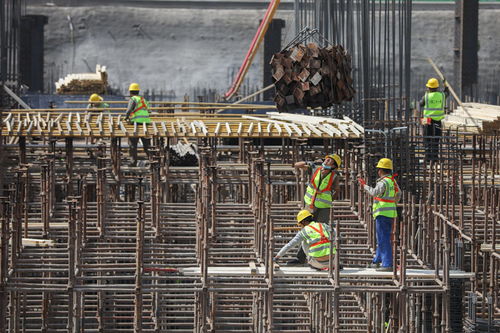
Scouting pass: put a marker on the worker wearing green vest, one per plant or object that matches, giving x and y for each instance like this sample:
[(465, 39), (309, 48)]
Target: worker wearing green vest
[(315, 240), (433, 105), (137, 112), (322, 189), (385, 195), (97, 104)]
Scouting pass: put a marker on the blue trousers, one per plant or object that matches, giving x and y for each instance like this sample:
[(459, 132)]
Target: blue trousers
[(383, 254)]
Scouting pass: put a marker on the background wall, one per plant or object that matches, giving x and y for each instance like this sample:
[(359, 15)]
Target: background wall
[(174, 50)]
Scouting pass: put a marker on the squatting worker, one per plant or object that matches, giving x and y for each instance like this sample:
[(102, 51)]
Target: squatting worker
[(315, 240), (386, 195), (433, 104), (322, 189), (137, 112)]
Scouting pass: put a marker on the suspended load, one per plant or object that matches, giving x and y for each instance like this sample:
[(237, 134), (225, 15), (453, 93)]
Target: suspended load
[(311, 76)]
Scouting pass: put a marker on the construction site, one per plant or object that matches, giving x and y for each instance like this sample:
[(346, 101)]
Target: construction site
[(151, 178)]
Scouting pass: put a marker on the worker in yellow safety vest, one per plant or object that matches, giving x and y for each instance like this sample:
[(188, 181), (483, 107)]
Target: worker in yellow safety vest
[(315, 240), (433, 105), (97, 104), (322, 189), (137, 112), (385, 195)]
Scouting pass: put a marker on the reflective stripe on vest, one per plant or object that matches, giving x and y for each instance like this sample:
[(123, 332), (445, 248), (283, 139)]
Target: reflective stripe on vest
[(386, 205), (434, 105), (317, 240), (140, 113), (322, 197)]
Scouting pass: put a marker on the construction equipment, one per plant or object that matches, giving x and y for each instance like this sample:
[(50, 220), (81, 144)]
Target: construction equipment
[(336, 158), (385, 163), (134, 87), (433, 83), (303, 214), (95, 98), (254, 46)]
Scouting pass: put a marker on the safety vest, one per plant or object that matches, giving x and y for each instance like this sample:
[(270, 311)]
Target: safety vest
[(434, 105), (320, 197), (93, 106), (317, 239), (386, 205), (140, 113)]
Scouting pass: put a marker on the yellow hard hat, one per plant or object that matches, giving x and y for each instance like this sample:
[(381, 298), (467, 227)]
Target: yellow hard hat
[(385, 163), (432, 83), (336, 158), (303, 214), (134, 87), (95, 98)]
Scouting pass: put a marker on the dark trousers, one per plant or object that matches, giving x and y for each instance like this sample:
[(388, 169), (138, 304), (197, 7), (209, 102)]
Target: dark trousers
[(432, 137), (133, 146), (383, 254)]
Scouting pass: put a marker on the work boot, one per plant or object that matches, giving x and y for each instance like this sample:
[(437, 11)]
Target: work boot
[(326, 268), (373, 265), (384, 269), (294, 262)]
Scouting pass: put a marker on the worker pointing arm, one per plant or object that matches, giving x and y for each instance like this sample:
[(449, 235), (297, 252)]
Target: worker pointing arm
[(322, 189), (385, 195)]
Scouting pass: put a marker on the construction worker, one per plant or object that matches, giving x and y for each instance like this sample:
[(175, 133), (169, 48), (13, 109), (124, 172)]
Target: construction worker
[(315, 241), (322, 189), (96, 103), (385, 195), (433, 104), (137, 112)]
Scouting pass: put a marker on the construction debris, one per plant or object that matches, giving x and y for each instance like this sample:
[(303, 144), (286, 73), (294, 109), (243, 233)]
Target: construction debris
[(474, 118), (84, 83), (310, 76)]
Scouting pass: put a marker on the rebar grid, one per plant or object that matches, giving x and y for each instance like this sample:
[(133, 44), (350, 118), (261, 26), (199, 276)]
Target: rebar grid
[(184, 249)]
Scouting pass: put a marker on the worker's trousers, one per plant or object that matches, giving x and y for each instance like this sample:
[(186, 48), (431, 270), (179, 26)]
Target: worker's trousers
[(383, 254), (432, 138), (133, 147)]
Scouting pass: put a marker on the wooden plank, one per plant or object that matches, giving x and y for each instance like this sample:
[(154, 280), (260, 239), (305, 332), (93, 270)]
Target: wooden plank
[(308, 271), (253, 267)]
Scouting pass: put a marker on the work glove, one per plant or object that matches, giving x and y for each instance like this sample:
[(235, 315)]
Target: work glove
[(361, 182)]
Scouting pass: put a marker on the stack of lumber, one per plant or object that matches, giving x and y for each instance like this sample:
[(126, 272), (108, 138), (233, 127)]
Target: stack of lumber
[(310, 76), (84, 83), (474, 118)]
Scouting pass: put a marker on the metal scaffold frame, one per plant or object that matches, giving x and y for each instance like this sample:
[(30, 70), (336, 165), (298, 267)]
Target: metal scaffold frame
[(158, 247)]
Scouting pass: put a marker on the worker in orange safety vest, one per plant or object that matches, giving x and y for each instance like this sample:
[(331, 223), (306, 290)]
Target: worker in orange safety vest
[(322, 189), (315, 240)]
